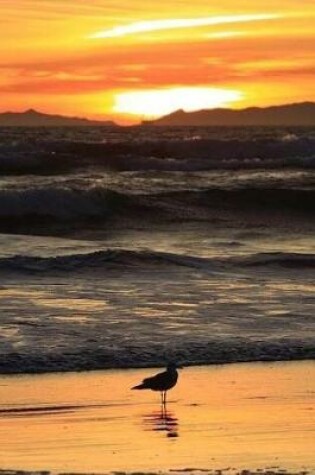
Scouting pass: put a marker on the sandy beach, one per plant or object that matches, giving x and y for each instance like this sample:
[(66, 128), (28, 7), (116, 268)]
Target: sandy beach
[(257, 416)]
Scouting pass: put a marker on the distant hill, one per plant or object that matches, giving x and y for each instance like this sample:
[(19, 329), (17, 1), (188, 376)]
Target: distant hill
[(302, 114), (33, 118)]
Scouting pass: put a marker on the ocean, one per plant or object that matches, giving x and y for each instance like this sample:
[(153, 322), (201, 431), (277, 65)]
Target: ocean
[(132, 247)]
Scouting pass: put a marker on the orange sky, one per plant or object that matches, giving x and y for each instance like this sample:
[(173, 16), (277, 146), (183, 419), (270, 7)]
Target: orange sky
[(131, 59)]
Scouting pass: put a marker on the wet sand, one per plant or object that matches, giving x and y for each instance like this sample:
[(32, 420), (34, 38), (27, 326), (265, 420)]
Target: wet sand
[(258, 416)]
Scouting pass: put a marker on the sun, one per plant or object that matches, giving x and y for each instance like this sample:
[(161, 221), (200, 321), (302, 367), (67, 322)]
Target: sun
[(157, 102)]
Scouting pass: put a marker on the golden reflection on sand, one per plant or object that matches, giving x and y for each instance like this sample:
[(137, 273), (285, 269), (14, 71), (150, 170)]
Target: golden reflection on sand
[(242, 415)]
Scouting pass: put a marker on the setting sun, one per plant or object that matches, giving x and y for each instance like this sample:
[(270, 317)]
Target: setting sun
[(157, 102)]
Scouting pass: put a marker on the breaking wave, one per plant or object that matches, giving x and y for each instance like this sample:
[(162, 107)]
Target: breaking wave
[(287, 260), (134, 151), (123, 259), (60, 203), (75, 204)]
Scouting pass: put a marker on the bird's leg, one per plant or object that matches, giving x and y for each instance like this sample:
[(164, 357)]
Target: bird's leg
[(163, 405), (164, 398), (162, 402)]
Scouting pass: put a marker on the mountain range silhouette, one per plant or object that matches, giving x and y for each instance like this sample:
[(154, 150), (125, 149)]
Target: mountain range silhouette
[(34, 118), (300, 114)]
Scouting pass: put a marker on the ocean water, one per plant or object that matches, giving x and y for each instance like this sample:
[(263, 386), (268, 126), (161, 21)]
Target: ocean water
[(131, 247)]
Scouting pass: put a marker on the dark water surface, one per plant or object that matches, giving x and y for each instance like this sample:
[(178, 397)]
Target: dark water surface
[(131, 247)]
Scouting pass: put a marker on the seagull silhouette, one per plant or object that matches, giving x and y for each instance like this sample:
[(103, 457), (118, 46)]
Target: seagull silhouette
[(161, 382)]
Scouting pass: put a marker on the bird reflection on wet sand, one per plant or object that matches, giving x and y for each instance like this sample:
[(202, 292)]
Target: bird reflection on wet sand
[(162, 421)]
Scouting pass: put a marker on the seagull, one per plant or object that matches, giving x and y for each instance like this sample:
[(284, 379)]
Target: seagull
[(161, 382)]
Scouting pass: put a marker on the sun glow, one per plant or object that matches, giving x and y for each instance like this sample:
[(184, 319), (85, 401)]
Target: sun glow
[(120, 61), (153, 103)]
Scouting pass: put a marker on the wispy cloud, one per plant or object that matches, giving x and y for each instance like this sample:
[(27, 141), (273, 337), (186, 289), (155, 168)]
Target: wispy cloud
[(171, 24)]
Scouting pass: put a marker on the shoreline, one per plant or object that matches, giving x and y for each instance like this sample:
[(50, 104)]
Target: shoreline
[(158, 366)]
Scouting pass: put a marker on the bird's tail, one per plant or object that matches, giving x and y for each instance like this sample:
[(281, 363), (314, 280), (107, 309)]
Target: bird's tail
[(140, 386)]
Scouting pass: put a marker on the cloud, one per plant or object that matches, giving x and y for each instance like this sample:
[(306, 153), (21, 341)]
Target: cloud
[(170, 24)]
